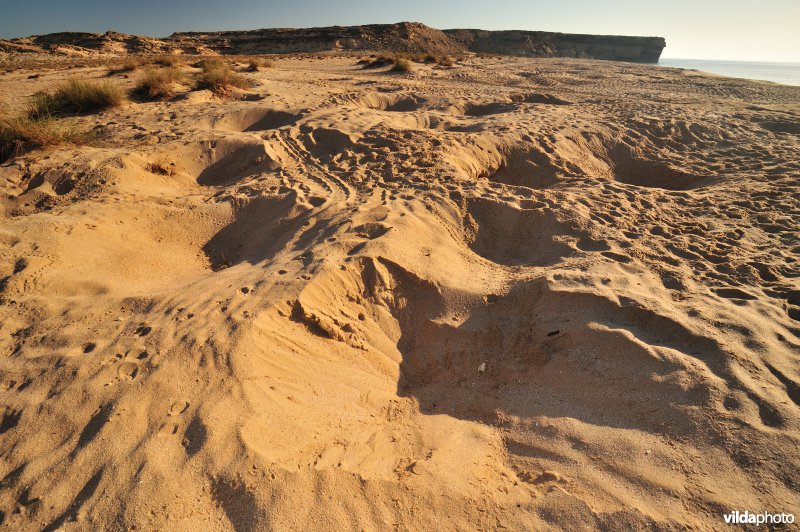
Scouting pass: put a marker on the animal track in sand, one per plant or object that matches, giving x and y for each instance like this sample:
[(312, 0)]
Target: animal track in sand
[(589, 244), (128, 371), (95, 425), (178, 407), (734, 293), (74, 509), (238, 502), (195, 436), (143, 330), (10, 420), (371, 230), (618, 257)]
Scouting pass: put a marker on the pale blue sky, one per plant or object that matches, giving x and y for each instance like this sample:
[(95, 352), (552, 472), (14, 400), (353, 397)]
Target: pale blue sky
[(765, 30)]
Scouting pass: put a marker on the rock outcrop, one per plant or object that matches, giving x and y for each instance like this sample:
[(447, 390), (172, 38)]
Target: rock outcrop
[(401, 37)]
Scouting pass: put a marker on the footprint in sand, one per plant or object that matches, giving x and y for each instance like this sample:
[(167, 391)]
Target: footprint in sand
[(178, 407), (734, 293), (143, 330), (128, 371), (371, 230)]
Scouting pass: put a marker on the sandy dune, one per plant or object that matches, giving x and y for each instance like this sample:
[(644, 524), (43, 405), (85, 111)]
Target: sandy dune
[(509, 294)]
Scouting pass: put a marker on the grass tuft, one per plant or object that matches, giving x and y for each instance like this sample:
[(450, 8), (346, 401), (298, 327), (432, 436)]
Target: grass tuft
[(129, 64), (401, 65), (159, 83), (168, 60), (257, 63), (19, 134), (75, 96), (402, 62), (211, 63), (378, 61), (219, 78)]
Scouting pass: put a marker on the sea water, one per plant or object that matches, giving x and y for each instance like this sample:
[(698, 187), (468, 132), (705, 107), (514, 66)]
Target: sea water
[(785, 73)]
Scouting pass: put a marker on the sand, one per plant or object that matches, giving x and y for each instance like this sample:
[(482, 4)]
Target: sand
[(515, 293)]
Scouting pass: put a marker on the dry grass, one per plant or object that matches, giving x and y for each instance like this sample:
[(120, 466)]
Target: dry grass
[(442, 60), (429, 58), (219, 78), (168, 60), (378, 61), (75, 96), (211, 63), (402, 65), (129, 64), (159, 83), (161, 168), (19, 134), (254, 64), (402, 62)]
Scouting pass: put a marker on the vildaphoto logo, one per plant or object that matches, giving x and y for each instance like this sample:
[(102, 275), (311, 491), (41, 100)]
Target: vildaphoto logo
[(751, 518)]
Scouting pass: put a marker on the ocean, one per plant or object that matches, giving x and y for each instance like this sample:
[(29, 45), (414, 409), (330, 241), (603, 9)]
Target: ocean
[(785, 73)]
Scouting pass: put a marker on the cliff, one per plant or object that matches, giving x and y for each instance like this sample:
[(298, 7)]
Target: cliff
[(400, 37), (549, 44)]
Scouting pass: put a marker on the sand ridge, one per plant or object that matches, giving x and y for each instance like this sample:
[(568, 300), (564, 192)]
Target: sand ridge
[(514, 293)]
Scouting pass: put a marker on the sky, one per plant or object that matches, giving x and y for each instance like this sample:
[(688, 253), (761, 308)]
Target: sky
[(746, 30)]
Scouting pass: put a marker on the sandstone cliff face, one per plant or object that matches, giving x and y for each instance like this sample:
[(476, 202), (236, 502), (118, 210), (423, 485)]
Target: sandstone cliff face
[(400, 37), (548, 44)]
